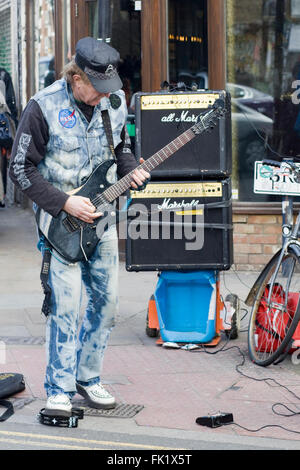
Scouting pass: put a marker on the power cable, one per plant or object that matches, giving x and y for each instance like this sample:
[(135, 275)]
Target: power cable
[(266, 380)]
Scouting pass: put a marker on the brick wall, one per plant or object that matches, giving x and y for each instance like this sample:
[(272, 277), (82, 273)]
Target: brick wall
[(255, 239)]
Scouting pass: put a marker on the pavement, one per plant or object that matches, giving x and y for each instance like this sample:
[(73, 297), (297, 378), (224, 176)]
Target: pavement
[(167, 388)]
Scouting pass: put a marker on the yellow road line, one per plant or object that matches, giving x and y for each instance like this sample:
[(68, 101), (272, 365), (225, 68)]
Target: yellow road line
[(86, 441), (46, 444)]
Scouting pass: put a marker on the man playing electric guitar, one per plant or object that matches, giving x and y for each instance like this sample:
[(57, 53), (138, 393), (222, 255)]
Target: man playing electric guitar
[(60, 141)]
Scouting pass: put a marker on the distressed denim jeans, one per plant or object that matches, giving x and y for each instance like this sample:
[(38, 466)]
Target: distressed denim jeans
[(75, 352)]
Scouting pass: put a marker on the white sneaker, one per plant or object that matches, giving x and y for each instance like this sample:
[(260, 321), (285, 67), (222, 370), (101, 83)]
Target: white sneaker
[(97, 396), (58, 405)]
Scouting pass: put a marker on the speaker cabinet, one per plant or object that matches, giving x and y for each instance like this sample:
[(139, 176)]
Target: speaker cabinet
[(161, 117), (180, 226)]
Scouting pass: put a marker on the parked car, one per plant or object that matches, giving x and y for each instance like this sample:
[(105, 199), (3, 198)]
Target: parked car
[(255, 99)]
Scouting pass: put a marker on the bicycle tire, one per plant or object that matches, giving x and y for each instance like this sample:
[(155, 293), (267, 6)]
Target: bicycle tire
[(272, 324)]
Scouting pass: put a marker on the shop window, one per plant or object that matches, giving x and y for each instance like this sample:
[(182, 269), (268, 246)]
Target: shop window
[(187, 38), (65, 31), (52, 44), (126, 38), (46, 43), (118, 23), (5, 39), (93, 18), (263, 63)]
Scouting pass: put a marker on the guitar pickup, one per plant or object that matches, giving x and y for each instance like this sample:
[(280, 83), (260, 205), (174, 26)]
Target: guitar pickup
[(70, 224)]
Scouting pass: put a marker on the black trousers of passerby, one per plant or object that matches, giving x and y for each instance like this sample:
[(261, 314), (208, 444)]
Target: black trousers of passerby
[(4, 165)]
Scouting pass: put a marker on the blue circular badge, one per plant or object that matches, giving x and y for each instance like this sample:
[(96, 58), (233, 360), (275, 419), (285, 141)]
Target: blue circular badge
[(67, 118), (266, 171)]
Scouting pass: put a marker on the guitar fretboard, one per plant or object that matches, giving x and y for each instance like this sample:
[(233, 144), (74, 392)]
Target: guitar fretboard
[(114, 191)]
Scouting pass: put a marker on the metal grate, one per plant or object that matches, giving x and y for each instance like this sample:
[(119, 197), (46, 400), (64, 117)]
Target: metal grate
[(122, 410), (31, 340)]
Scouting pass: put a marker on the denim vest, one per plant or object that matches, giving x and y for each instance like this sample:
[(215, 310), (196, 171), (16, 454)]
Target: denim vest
[(76, 147)]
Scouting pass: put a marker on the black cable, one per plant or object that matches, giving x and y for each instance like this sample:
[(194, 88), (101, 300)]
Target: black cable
[(235, 272), (293, 413), (266, 380), (241, 319), (263, 427)]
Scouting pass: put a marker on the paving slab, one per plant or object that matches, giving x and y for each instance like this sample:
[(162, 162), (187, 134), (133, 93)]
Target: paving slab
[(174, 386)]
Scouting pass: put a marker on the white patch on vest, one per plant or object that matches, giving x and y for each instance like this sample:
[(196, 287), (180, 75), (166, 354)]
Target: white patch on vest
[(19, 161)]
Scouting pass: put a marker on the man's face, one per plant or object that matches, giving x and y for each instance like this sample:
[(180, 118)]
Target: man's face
[(86, 92)]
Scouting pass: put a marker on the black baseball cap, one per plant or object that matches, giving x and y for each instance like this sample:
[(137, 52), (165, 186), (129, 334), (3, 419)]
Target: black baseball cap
[(99, 62)]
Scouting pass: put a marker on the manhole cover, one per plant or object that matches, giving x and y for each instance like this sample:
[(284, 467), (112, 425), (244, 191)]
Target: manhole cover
[(122, 410)]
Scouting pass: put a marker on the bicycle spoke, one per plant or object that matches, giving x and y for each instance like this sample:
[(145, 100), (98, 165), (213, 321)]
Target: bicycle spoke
[(275, 311)]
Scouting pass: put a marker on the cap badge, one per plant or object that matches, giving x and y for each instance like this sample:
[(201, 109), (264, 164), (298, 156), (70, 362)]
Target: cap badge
[(109, 69)]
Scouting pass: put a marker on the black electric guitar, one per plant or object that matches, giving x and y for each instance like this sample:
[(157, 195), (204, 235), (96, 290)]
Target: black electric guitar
[(76, 240)]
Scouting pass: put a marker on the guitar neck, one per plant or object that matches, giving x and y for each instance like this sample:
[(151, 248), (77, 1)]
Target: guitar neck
[(114, 191)]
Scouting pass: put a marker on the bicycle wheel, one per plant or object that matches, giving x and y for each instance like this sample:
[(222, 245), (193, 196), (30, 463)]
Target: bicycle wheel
[(276, 310)]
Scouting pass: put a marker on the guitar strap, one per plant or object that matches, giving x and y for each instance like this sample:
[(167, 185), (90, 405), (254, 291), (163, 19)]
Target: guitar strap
[(45, 248), (44, 275), (108, 132)]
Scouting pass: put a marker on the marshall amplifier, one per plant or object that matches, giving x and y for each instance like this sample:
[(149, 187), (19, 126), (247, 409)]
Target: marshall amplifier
[(161, 117), (180, 226)]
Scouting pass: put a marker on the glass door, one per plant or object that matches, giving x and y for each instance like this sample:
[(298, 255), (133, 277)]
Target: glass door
[(126, 38), (187, 37)]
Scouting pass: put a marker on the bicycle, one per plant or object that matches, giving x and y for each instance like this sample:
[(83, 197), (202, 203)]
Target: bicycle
[(275, 295)]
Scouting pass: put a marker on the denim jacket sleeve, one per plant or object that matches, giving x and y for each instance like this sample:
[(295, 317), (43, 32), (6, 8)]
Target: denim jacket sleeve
[(28, 150)]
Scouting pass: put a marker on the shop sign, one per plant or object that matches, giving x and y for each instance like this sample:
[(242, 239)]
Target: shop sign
[(271, 180)]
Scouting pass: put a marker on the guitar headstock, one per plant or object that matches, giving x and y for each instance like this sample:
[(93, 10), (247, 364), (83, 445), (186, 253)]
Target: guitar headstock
[(209, 120)]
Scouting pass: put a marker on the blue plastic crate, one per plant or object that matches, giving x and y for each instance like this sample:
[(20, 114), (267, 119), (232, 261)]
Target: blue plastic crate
[(186, 306)]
